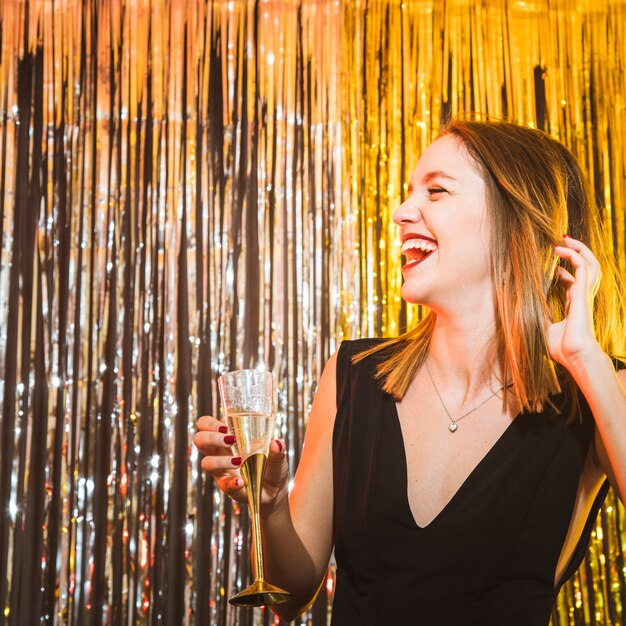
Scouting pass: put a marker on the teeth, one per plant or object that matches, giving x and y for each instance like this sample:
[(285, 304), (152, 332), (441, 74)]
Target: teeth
[(420, 244)]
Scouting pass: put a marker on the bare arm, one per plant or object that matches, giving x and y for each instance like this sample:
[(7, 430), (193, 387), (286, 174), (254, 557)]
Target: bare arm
[(603, 389), (298, 532)]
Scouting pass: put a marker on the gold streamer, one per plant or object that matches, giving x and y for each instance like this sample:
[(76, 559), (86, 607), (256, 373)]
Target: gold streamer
[(193, 186)]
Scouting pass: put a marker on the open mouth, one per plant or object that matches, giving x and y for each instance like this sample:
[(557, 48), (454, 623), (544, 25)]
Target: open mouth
[(417, 248)]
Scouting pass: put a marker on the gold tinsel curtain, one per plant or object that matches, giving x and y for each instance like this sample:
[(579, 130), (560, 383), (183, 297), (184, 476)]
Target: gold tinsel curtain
[(190, 186)]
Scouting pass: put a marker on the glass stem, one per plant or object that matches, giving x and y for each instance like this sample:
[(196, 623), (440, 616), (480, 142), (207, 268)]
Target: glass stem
[(253, 469)]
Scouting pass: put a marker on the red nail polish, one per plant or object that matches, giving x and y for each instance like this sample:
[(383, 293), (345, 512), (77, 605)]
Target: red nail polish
[(229, 440), (565, 236), (223, 429), (236, 460), (279, 443)]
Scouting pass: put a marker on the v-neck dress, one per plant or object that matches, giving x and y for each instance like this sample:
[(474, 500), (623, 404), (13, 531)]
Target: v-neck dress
[(490, 556)]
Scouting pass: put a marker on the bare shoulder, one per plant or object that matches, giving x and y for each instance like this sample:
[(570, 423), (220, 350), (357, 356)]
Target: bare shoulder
[(322, 416), (325, 400)]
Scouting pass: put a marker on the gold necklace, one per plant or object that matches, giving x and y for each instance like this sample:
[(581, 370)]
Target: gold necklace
[(452, 426)]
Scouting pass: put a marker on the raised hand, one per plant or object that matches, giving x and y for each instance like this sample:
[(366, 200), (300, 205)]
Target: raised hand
[(572, 337)]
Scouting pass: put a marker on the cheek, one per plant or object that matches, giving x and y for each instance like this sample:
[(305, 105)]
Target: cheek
[(470, 259)]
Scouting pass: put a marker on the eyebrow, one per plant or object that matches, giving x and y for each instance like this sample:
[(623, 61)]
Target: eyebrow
[(430, 176), (437, 174)]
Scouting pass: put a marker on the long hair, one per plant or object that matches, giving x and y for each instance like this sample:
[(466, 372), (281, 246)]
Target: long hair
[(535, 193)]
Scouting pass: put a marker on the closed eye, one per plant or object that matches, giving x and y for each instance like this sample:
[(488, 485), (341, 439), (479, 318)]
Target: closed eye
[(435, 191)]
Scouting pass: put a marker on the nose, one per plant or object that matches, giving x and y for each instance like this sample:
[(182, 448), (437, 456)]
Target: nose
[(408, 212)]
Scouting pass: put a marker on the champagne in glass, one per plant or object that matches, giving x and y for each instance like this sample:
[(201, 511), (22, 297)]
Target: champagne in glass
[(248, 404), (252, 430)]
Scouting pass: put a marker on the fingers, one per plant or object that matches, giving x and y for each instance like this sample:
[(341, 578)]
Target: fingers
[(579, 286), (277, 469), (581, 248), (276, 446), (208, 422), (583, 260), (232, 486), (212, 437), (214, 442), (220, 465), (565, 277)]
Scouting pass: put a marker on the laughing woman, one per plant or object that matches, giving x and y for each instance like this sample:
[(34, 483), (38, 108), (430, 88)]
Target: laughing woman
[(457, 470)]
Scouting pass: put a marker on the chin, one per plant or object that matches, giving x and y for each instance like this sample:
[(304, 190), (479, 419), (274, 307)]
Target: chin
[(413, 296)]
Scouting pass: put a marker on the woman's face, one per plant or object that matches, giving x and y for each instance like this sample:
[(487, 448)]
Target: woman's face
[(444, 231)]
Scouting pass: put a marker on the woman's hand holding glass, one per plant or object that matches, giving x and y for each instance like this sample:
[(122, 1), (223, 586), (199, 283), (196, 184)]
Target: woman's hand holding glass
[(248, 406), (215, 443)]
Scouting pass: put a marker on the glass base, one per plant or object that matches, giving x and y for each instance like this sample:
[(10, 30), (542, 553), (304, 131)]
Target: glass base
[(260, 593)]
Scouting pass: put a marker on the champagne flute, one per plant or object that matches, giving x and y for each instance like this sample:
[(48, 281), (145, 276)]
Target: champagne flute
[(248, 405)]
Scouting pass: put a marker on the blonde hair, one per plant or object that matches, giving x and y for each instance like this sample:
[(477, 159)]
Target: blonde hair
[(535, 192)]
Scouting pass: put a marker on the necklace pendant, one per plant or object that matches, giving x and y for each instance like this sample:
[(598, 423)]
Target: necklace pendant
[(452, 426)]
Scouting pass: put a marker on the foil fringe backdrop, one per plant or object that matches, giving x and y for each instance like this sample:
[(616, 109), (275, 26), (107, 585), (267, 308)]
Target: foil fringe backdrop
[(188, 187)]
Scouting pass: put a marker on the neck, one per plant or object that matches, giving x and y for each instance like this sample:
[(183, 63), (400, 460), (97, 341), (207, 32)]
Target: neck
[(460, 355)]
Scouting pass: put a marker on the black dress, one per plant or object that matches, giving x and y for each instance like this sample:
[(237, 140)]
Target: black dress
[(489, 557)]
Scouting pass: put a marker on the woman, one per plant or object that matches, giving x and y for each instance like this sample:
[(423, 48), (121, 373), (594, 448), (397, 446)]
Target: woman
[(457, 470)]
